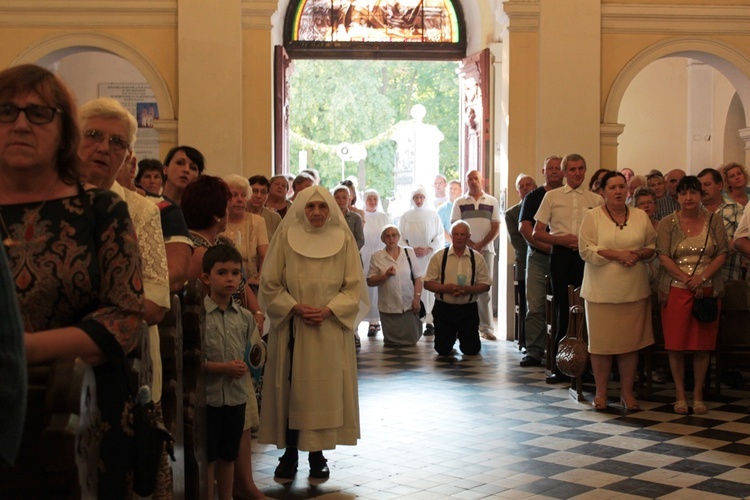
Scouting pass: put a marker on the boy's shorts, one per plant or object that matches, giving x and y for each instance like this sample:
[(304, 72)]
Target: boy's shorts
[(225, 424)]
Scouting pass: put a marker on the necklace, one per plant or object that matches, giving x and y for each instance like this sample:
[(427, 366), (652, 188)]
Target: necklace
[(625, 222), (11, 242)]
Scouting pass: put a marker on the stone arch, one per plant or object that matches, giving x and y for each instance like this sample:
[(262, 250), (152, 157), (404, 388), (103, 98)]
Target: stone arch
[(725, 58), (74, 41)]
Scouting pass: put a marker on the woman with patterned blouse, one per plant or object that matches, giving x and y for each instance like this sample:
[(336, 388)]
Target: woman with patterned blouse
[(77, 270)]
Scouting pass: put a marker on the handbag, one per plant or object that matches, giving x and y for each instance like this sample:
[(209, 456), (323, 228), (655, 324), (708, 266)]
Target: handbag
[(422, 308), (572, 352), (705, 309)]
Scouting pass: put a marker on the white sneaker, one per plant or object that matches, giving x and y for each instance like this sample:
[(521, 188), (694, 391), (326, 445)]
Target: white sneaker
[(488, 335)]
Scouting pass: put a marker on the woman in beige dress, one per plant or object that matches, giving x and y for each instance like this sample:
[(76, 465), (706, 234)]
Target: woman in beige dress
[(615, 241)]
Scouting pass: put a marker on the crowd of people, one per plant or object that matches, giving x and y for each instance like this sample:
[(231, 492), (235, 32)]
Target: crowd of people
[(626, 239), (95, 242)]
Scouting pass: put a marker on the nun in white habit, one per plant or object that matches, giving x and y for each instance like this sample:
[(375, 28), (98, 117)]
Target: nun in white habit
[(422, 230), (311, 287)]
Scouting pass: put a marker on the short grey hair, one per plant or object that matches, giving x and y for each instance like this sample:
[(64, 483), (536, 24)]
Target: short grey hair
[(104, 107)]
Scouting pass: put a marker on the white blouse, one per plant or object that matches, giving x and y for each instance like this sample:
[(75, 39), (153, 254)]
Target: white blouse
[(397, 293)]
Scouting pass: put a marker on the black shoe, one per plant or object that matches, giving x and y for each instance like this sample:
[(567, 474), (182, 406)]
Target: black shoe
[(429, 330), (372, 331), (287, 467), (530, 361), (357, 342), (318, 465), (557, 378)]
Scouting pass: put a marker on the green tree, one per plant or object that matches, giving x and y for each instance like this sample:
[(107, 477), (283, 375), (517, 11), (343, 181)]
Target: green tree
[(358, 102)]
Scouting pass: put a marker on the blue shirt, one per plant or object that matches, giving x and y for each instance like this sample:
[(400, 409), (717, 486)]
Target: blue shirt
[(227, 335)]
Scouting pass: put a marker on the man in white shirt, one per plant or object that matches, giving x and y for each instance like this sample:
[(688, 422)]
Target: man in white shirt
[(458, 277), (482, 212), (562, 210)]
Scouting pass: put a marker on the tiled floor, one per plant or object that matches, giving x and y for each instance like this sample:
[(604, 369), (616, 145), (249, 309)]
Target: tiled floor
[(482, 427)]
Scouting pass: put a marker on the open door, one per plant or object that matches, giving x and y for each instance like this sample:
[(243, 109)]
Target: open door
[(474, 141), (282, 72)]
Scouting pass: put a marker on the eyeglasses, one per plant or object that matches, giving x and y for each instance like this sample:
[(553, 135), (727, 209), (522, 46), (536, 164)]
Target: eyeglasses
[(645, 203), (116, 142), (38, 115)]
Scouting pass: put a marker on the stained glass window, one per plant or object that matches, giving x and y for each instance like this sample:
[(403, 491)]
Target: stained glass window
[(394, 21)]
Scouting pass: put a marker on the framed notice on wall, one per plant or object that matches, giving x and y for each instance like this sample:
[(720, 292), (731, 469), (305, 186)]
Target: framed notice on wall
[(138, 98)]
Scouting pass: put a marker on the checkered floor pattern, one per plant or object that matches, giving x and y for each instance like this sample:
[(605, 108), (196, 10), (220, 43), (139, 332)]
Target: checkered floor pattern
[(482, 427)]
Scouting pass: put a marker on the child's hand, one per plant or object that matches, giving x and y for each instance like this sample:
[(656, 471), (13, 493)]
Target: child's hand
[(236, 368)]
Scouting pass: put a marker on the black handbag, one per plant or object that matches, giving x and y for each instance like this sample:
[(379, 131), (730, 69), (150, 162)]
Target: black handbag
[(705, 309)]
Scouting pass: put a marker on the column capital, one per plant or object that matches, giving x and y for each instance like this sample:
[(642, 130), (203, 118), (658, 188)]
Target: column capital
[(609, 133)]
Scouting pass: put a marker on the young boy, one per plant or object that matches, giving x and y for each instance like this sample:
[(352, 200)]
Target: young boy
[(228, 331)]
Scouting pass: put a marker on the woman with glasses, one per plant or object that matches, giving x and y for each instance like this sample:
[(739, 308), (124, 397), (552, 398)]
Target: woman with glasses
[(645, 199), (75, 262)]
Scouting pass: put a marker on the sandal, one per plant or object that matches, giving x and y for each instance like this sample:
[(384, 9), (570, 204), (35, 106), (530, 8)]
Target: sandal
[(599, 403), (631, 406), (699, 408), (681, 407), (372, 331)]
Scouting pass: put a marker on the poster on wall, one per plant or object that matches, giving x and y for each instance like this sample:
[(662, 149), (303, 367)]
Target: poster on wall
[(139, 99)]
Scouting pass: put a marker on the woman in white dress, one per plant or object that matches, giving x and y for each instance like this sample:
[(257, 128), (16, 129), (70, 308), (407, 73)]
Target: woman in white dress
[(375, 220), (312, 288), (422, 230)]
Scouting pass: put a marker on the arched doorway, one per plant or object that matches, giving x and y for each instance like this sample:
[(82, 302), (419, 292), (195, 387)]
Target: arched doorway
[(118, 58), (406, 30), (715, 55)]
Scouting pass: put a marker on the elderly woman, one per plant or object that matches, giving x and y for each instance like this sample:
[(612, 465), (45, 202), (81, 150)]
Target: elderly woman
[(645, 199), (692, 246), (91, 304), (398, 277), (375, 220), (247, 231), (311, 287), (353, 220), (735, 182), (614, 241), (422, 230), (182, 165)]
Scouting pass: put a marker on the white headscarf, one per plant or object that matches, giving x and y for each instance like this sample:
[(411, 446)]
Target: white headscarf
[(303, 237), (418, 190)]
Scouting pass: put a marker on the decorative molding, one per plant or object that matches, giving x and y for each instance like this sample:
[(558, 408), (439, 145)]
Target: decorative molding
[(675, 19), (522, 15), (609, 133), (256, 14), (88, 13), (167, 131)]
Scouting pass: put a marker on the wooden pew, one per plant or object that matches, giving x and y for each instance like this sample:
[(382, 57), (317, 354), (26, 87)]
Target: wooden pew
[(194, 391), (170, 343)]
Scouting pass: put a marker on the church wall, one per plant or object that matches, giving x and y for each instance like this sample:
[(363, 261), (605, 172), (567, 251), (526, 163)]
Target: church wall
[(654, 111)]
